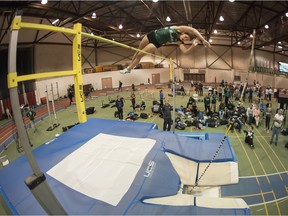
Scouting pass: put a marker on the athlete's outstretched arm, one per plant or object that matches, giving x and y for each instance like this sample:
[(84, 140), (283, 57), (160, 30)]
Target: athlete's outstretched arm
[(186, 50)]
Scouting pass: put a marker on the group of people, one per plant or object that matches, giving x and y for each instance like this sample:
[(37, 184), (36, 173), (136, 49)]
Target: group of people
[(250, 117)]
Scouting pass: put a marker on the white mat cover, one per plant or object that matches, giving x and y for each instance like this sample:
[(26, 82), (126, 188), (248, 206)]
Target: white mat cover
[(104, 167)]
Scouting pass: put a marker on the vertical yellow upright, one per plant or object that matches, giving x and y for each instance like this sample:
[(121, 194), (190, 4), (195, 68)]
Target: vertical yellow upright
[(78, 79), (171, 69)]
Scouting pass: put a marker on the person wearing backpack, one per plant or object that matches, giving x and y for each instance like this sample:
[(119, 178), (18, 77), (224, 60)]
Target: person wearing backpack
[(119, 105), (30, 113)]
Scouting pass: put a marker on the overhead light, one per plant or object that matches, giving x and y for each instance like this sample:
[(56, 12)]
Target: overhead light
[(120, 26), (55, 21), (231, 0), (279, 42), (138, 35), (44, 2), (168, 19), (92, 33), (280, 47), (93, 15), (266, 26), (286, 14), (238, 42), (210, 40), (215, 31), (251, 36), (221, 18), (155, 1)]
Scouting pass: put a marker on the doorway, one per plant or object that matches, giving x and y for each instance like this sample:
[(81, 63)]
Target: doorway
[(107, 83), (155, 78)]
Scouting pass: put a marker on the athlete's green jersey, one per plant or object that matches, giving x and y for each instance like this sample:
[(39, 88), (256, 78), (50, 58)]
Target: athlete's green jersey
[(166, 35)]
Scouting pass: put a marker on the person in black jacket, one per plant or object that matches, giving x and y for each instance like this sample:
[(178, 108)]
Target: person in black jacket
[(119, 105), (166, 110)]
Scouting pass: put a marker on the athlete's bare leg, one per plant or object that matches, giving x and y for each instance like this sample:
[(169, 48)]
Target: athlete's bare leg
[(145, 46)]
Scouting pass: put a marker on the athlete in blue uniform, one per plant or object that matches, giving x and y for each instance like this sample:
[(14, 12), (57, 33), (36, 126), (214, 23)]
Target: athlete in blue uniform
[(173, 34)]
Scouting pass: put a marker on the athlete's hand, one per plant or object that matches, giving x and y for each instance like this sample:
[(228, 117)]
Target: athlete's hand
[(195, 42), (206, 43)]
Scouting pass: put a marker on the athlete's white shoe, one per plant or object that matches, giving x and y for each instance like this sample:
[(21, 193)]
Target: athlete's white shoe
[(126, 70)]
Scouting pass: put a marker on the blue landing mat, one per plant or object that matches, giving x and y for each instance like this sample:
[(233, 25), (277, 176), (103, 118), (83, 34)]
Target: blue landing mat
[(161, 181)]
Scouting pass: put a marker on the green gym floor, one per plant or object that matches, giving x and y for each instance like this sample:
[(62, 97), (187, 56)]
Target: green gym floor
[(263, 160)]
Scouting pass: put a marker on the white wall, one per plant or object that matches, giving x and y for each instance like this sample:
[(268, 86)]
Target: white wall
[(224, 62), (136, 76)]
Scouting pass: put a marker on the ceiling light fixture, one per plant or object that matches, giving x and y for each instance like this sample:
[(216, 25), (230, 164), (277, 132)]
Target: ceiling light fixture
[(93, 15), (231, 0), (168, 19), (210, 40), (215, 31), (120, 26), (55, 21), (155, 1), (221, 18), (286, 14), (238, 42), (138, 35), (266, 26), (44, 2), (251, 36)]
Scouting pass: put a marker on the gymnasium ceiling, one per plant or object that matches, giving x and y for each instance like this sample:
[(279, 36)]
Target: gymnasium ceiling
[(240, 19)]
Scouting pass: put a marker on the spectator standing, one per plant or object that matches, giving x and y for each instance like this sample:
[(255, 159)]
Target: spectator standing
[(267, 93), (268, 114), (207, 103), (133, 100), (250, 95), (262, 107), (166, 110), (71, 93), (120, 86), (161, 96), (220, 93), (270, 94), (133, 87), (221, 110), (119, 105), (256, 114), (8, 114), (249, 114), (200, 89), (30, 113), (275, 92), (277, 124), (226, 95), (213, 103)]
